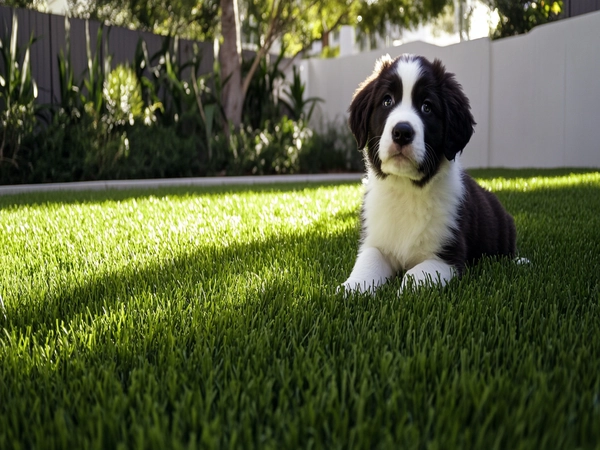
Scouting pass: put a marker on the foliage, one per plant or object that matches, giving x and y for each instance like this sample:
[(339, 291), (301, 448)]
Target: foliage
[(274, 149), (157, 118), (159, 152), (261, 103), (98, 68), (331, 149), (296, 103), (18, 92), (62, 153), (375, 16), (193, 19), (518, 17), (71, 99), (39, 5), (123, 97), (301, 23), (209, 318)]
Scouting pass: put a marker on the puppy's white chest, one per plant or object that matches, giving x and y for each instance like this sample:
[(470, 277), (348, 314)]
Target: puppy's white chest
[(406, 223)]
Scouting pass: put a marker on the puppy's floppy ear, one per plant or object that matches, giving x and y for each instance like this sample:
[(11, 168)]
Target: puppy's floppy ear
[(362, 103), (459, 121)]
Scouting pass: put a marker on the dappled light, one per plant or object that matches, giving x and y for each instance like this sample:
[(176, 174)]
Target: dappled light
[(540, 182)]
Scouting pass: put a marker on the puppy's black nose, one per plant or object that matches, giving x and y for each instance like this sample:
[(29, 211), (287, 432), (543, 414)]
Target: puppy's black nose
[(403, 133)]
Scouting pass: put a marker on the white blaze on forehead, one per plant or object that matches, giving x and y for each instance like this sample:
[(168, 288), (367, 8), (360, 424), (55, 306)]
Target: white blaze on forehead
[(409, 71)]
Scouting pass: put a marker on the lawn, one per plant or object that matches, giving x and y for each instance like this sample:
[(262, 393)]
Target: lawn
[(184, 318)]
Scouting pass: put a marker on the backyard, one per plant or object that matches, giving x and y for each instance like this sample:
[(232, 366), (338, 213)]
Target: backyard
[(189, 317)]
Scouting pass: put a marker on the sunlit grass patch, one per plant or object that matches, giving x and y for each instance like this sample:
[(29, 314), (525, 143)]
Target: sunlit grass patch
[(524, 184), (209, 318)]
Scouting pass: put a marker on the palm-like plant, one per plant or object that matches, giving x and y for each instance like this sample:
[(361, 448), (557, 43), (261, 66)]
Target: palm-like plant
[(18, 91)]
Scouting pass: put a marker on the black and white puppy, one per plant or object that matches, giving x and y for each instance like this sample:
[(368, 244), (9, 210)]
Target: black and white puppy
[(421, 214)]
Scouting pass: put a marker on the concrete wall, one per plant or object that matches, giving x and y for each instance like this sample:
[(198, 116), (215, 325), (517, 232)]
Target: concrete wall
[(535, 97)]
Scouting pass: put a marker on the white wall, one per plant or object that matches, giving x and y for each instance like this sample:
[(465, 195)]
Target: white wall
[(535, 97)]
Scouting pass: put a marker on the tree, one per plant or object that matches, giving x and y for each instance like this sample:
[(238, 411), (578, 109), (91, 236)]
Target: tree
[(297, 24), (39, 5), (520, 16), (193, 19), (274, 18), (230, 58), (376, 15)]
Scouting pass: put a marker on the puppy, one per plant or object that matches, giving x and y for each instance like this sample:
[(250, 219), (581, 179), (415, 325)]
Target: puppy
[(421, 213)]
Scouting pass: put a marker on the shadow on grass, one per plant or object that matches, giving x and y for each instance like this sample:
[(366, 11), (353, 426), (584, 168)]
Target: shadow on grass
[(218, 271)]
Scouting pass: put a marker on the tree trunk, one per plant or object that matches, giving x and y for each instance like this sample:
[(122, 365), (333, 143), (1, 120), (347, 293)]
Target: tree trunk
[(325, 39), (230, 57)]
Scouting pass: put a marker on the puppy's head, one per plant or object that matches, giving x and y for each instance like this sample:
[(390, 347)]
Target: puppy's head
[(409, 116)]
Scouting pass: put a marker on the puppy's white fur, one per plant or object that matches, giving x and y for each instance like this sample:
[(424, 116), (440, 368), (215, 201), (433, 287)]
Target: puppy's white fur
[(404, 111), (418, 222)]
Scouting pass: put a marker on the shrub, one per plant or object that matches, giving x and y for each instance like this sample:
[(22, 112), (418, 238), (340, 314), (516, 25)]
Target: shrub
[(111, 124), (18, 92), (159, 152), (123, 96), (272, 150), (333, 149)]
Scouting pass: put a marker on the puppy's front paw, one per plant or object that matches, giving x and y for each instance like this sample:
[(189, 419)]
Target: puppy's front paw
[(429, 273), (354, 285), (411, 283)]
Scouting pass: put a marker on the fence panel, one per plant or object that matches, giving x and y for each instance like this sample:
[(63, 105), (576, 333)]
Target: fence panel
[(58, 26), (41, 55)]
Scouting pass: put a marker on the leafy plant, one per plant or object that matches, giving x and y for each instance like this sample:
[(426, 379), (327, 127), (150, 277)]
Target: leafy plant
[(210, 105), (123, 97), (261, 104), (158, 152), (141, 66), (331, 149), (275, 149), (96, 74), (71, 100), (296, 103), (18, 91)]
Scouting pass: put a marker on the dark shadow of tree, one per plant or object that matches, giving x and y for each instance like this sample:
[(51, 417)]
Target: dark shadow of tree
[(191, 275)]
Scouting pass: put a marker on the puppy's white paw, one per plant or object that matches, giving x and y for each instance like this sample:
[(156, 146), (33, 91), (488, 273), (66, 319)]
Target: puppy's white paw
[(429, 273), (411, 282), (356, 285), (522, 261)]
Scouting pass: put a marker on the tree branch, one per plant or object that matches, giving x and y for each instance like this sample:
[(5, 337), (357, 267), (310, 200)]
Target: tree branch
[(276, 27)]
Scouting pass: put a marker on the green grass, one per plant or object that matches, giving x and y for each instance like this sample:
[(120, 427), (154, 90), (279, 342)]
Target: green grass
[(209, 318)]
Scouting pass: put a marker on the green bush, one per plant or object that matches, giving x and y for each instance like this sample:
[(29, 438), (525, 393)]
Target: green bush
[(159, 152), (333, 149), (123, 96), (18, 92), (287, 147), (273, 150)]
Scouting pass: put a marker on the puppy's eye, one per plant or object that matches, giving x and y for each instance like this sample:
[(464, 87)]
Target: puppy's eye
[(426, 107), (388, 101)]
